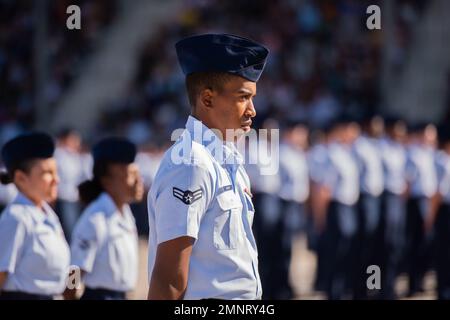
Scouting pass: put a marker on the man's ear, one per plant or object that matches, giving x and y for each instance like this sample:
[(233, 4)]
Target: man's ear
[(206, 97), (20, 177)]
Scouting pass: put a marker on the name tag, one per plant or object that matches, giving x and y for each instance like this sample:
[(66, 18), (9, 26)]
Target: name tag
[(224, 189)]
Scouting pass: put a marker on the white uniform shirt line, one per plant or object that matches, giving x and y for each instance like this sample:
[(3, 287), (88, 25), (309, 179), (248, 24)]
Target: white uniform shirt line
[(370, 165), (394, 162), (443, 171), (421, 170), (70, 170), (294, 174), (341, 175), (317, 158)]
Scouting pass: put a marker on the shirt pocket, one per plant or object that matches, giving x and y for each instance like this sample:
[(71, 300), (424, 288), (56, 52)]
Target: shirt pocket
[(226, 223), (117, 255), (51, 251)]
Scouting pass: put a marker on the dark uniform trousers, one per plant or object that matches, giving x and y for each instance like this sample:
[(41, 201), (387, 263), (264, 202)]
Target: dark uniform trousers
[(418, 243), (102, 294), (18, 295), (442, 242), (322, 246), (394, 244), (367, 245), (340, 234), (273, 232)]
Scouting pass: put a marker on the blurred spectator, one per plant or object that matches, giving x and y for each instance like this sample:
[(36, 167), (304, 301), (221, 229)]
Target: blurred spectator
[(66, 52), (70, 171)]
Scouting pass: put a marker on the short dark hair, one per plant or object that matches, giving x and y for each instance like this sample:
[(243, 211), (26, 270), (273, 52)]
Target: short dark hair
[(195, 82), (89, 190), (25, 166), (65, 132)]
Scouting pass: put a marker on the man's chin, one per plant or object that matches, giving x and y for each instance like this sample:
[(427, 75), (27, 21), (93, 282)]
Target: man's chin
[(235, 134), (243, 130), (51, 198)]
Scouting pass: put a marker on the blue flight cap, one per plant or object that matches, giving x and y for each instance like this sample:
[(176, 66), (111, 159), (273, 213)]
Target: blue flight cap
[(391, 120), (114, 149), (28, 146), (342, 119), (222, 53), (417, 126)]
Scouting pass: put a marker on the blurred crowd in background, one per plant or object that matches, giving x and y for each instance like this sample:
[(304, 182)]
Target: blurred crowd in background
[(67, 51), (323, 59), (321, 87)]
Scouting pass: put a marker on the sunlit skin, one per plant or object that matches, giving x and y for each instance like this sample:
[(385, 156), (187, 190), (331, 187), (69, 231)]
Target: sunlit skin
[(229, 108), (123, 183), (40, 184)]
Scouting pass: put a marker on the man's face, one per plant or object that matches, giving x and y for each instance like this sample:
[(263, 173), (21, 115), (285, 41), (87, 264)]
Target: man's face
[(232, 107)]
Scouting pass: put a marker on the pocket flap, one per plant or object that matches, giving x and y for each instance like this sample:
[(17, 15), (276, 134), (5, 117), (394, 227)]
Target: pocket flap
[(228, 200)]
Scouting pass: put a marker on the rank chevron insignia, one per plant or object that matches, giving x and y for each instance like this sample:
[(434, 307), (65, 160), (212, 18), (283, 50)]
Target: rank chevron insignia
[(187, 197)]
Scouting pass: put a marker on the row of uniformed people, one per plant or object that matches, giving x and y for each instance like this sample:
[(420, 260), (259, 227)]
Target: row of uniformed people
[(75, 166), (34, 255), (440, 218), (370, 193), (280, 200), (379, 192)]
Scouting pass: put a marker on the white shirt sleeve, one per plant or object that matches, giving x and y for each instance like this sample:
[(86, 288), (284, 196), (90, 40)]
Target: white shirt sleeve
[(329, 175), (180, 201), (411, 170), (85, 243), (316, 162), (443, 180), (357, 153), (12, 239)]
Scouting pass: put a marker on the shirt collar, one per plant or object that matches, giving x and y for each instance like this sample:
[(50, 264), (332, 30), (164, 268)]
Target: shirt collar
[(232, 153), (108, 203), (23, 200), (111, 209), (197, 130), (39, 214)]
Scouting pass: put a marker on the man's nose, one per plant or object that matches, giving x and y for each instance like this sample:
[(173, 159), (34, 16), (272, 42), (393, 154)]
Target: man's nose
[(56, 178), (251, 112)]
